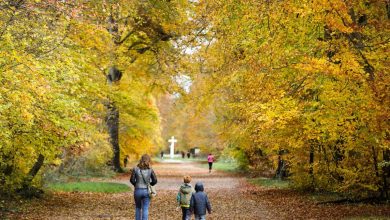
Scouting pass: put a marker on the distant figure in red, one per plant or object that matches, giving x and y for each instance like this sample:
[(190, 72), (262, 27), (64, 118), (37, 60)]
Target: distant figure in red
[(210, 159)]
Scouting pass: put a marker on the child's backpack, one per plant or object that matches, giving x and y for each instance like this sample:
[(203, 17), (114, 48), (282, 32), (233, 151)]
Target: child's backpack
[(185, 195)]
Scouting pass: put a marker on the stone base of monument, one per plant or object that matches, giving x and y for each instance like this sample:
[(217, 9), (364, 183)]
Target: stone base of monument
[(176, 158), (172, 161), (167, 156)]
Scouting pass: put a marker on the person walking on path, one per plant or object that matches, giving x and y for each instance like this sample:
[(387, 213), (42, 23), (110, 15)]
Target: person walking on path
[(200, 202), (210, 159), (184, 197), (141, 176), (125, 161)]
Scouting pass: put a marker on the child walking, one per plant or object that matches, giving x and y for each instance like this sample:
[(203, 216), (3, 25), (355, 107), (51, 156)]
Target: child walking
[(200, 202), (184, 197)]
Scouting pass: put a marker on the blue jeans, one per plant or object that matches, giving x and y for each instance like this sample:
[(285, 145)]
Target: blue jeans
[(142, 201), (200, 217)]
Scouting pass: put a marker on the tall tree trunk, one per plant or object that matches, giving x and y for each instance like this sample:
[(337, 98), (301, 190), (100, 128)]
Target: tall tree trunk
[(112, 120), (281, 171), (27, 190), (386, 173), (113, 130), (311, 164), (35, 169), (388, 9), (375, 160), (114, 75)]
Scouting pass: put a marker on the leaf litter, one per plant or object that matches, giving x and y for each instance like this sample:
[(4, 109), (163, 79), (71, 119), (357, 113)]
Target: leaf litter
[(231, 196)]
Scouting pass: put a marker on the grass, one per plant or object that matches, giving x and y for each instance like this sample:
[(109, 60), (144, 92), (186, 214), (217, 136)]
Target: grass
[(270, 183), (223, 166), (101, 187), (53, 176)]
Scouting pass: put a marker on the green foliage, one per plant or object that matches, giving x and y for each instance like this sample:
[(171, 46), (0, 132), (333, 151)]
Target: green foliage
[(242, 159), (270, 183), (99, 187), (227, 166)]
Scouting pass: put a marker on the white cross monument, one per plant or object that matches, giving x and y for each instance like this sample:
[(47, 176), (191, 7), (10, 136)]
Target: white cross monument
[(172, 141)]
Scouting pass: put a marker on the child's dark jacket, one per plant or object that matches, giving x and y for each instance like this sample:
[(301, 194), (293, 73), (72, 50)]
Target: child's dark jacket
[(199, 201)]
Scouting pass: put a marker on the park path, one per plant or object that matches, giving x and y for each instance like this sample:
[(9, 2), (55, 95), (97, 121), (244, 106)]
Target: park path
[(226, 193), (171, 172), (231, 198)]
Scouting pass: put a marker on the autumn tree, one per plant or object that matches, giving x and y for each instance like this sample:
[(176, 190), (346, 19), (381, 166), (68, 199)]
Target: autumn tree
[(44, 105), (140, 33), (54, 55), (303, 82)]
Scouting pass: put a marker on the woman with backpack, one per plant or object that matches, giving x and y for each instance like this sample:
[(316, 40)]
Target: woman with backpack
[(141, 176)]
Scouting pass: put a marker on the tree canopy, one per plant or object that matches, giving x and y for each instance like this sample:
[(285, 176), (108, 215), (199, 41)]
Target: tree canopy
[(302, 84)]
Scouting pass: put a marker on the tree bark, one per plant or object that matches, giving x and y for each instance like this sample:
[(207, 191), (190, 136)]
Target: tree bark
[(114, 75), (37, 166), (375, 161), (113, 130), (386, 173), (281, 171), (311, 162), (27, 190)]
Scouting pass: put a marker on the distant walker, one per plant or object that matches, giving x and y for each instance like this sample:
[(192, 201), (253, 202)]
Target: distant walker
[(210, 160)]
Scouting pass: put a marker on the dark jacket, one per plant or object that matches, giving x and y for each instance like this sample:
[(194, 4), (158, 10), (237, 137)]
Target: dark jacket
[(137, 179), (199, 201)]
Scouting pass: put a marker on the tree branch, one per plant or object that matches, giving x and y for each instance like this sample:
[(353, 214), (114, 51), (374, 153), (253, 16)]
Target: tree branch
[(125, 38)]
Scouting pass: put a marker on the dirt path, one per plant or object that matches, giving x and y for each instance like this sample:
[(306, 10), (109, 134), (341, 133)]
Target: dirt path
[(225, 194), (231, 198), (224, 191), (170, 176)]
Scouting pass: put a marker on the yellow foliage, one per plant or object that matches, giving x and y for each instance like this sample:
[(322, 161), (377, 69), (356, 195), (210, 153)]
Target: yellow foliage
[(303, 77)]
